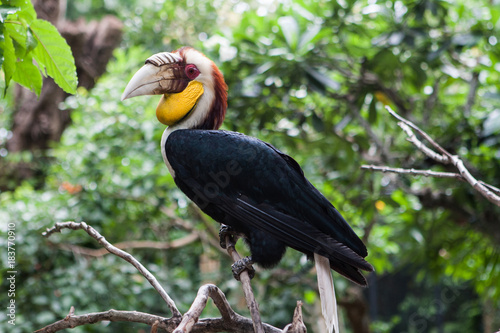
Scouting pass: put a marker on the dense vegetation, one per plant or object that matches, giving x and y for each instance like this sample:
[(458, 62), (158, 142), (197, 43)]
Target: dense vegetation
[(312, 78)]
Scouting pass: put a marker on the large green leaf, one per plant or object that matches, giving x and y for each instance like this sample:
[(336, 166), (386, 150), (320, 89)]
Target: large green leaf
[(53, 55)]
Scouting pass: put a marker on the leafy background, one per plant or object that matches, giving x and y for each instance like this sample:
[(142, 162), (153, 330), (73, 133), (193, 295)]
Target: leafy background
[(312, 78)]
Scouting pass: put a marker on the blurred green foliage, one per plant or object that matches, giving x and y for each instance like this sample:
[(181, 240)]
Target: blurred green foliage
[(312, 78)]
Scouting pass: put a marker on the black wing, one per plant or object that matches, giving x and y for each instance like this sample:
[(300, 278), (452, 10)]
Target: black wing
[(247, 183)]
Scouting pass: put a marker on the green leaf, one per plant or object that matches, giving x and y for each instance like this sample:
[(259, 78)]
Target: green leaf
[(321, 79), (6, 11), (54, 55), (26, 12), (306, 40), (28, 75), (290, 29), (18, 34), (8, 58), (31, 42)]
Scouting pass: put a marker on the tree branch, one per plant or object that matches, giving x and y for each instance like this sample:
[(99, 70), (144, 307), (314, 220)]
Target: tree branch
[(231, 319), (414, 172), (413, 139), (120, 253), (247, 288), (238, 324), (297, 325), (190, 322), (490, 192), (72, 321)]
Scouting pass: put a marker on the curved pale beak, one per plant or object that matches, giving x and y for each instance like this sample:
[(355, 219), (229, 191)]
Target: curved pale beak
[(163, 73)]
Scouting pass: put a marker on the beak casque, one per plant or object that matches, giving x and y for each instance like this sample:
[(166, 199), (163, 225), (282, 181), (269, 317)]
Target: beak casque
[(163, 73)]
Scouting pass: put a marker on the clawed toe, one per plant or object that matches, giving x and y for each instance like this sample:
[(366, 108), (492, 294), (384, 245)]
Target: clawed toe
[(224, 232), (243, 264)]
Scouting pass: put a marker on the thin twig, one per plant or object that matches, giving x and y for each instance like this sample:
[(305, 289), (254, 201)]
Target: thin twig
[(441, 158), (297, 325), (247, 288), (492, 197), (492, 188), (419, 131), (490, 192), (415, 172), (72, 321), (120, 253)]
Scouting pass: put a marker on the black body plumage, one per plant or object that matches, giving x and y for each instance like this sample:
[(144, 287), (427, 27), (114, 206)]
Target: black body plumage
[(251, 186)]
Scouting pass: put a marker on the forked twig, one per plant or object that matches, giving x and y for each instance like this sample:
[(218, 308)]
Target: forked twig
[(490, 192), (120, 253), (190, 322)]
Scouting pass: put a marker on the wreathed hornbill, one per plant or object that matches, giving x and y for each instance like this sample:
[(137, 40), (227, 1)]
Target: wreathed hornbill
[(243, 182)]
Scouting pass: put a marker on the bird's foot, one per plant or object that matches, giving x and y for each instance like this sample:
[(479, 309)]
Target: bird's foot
[(239, 266), (227, 231)]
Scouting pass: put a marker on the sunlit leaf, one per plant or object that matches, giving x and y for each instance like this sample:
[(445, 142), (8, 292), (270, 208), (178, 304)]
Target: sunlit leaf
[(290, 29), (6, 11), (8, 58), (54, 55), (31, 41), (18, 34), (27, 11), (306, 39), (28, 74)]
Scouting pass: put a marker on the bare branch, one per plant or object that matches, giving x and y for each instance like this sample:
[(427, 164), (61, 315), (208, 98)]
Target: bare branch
[(492, 188), (419, 131), (191, 317), (247, 288), (490, 192), (414, 172), (72, 321), (240, 324), (297, 325), (120, 253), (441, 158), (485, 192), (190, 322)]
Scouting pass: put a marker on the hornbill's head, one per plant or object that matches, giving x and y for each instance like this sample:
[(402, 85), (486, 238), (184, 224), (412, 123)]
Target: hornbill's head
[(194, 94)]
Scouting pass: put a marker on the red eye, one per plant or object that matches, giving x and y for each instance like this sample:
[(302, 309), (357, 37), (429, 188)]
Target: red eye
[(192, 71)]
